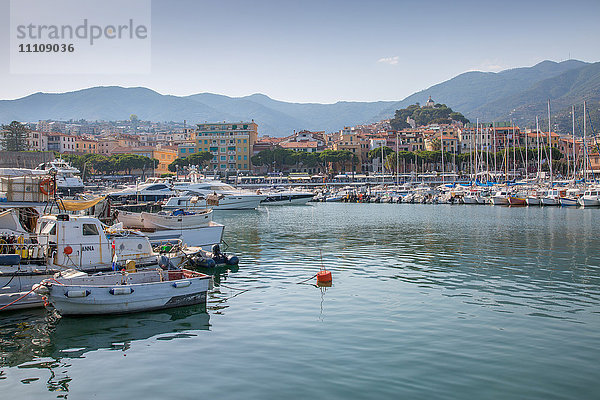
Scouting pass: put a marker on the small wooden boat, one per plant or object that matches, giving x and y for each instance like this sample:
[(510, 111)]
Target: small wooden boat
[(177, 219), (517, 199), (77, 293), (163, 220)]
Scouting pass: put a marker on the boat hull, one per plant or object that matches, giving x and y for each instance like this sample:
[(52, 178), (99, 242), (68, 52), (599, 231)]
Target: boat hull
[(517, 201), (533, 201), (589, 202), (203, 237), (568, 202), (158, 221), (229, 202), (282, 200), (106, 295), (499, 201), (550, 201), (470, 200)]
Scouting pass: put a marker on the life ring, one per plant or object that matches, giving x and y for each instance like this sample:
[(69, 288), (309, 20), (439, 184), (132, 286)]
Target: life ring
[(47, 186)]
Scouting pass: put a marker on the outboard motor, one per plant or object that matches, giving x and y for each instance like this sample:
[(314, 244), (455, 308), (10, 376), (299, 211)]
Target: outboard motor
[(165, 263)]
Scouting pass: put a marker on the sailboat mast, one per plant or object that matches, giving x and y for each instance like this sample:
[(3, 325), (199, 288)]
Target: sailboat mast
[(574, 163), (537, 137), (526, 136), (442, 147), (514, 152), (487, 152), (494, 147), (584, 144), (382, 166), (550, 142), (397, 162)]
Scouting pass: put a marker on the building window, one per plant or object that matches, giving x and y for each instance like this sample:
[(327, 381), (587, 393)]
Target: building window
[(223, 158)]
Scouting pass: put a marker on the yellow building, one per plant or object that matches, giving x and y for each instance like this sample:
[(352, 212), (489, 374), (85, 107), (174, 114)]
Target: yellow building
[(86, 146), (165, 156), (229, 143)]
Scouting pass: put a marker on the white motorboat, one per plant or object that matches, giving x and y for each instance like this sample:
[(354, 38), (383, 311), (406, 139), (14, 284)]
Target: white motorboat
[(287, 197), (571, 199), (163, 220), (62, 242), (470, 198), (500, 198), (590, 198), (76, 293), (214, 194), (150, 190), (533, 198), (205, 234), (552, 197), (67, 179)]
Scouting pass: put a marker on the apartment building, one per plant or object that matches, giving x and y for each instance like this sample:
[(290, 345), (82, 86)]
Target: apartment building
[(230, 144)]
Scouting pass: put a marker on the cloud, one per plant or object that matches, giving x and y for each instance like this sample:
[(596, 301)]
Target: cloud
[(389, 60)]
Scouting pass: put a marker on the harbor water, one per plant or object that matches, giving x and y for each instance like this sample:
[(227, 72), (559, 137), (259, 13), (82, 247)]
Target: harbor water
[(428, 301)]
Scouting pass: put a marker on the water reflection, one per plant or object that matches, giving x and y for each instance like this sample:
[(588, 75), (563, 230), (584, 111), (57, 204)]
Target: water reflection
[(27, 339), (42, 340)]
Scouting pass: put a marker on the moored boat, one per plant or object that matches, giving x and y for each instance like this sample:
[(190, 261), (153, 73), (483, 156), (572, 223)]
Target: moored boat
[(590, 198), (517, 199), (77, 293), (500, 198), (178, 219)]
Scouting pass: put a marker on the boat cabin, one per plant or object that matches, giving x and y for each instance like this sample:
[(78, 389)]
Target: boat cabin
[(81, 242)]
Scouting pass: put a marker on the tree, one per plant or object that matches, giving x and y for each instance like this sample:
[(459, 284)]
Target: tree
[(422, 116), (376, 153), (199, 158), (15, 137), (436, 144)]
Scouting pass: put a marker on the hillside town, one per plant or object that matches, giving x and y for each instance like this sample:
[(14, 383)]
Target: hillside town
[(237, 147)]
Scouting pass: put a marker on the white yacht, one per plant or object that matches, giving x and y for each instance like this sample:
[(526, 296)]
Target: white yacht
[(67, 180), (286, 197), (214, 194), (147, 191)]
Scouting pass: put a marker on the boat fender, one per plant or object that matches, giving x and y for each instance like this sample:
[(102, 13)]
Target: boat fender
[(233, 260), (210, 263), (181, 284), (77, 293), (121, 290)]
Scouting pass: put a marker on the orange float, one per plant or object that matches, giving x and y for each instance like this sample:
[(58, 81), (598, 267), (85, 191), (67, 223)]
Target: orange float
[(324, 276)]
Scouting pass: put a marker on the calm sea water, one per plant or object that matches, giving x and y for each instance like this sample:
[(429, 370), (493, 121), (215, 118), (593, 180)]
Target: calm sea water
[(427, 301)]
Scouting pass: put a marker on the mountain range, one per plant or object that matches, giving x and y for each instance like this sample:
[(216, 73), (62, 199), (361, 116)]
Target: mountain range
[(518, 94)]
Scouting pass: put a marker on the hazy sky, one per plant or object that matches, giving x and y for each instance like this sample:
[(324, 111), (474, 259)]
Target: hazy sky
[(325, 51)]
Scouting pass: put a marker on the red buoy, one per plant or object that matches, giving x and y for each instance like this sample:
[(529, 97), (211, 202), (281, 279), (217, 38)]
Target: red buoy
[(323, 276), (68, 250)]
